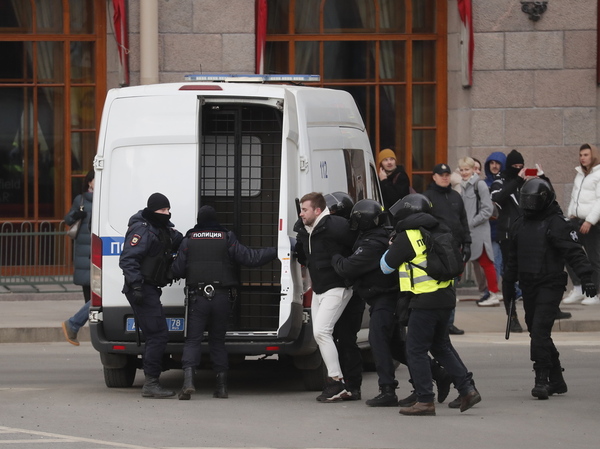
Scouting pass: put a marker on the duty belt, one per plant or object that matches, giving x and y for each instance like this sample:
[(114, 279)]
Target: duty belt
[(206, 290)]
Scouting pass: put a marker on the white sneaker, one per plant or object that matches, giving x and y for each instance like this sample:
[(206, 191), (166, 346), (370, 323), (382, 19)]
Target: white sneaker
[(591, 301), (574, 296), (492, 301)]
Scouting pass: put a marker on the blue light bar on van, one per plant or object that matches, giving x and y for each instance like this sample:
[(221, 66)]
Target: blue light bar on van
[(233, 78)]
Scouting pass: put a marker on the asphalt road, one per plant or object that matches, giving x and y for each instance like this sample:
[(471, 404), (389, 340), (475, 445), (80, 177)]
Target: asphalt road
[(52, 395)]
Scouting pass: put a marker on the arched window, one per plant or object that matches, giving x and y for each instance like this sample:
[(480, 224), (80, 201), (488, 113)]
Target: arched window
[(389, 54)]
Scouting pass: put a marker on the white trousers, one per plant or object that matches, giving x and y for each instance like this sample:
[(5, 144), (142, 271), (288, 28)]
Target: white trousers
[(326, 309)]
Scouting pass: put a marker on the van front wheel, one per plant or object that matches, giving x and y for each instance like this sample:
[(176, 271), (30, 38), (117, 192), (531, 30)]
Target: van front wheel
[(121, 377)]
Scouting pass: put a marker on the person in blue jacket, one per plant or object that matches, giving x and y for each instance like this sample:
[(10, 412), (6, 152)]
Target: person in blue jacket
[(150, 242)]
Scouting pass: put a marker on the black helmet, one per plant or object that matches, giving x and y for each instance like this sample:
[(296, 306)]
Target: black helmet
[(536, 195), (410, 204), (366, 214), (339, 203)]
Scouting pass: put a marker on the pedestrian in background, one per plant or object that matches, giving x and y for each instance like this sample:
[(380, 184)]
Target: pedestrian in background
[(447, 205), (208, 259), (478, 206), (81, 209), (584, 212), (150, 242), (393, 180)]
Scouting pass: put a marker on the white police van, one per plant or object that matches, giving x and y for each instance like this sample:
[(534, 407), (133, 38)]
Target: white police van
[(247, 148)]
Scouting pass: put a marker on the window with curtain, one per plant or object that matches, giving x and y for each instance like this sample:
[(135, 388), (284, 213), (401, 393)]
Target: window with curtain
[(48, 103), (389, 54)]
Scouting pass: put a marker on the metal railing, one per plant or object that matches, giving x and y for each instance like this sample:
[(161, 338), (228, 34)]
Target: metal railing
[(33, 254)]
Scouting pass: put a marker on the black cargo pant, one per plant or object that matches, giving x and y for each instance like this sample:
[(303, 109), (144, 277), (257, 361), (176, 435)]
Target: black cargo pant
[(381, 327), (152, 321), (344, 335), (541, 303), (210, 315)]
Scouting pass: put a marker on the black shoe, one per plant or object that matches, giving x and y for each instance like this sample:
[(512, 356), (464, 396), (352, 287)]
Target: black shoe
[(455, 403), (563, 315), (153, 389), (333, 392), (409, 400), (453, 330), (351, 394), (386, 397), (469, 400)]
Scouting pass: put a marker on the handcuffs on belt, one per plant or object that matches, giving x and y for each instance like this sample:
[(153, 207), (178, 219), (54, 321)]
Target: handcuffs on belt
[(206, 290)]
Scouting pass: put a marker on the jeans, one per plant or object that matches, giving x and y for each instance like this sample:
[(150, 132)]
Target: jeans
[(428, 332), (326, 309), (78, 320)]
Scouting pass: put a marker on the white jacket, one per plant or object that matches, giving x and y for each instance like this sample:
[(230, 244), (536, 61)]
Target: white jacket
[(585, 197)]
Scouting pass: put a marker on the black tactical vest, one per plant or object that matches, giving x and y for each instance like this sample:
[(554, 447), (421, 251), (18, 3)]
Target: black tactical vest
[(156, 269), (208, 259)]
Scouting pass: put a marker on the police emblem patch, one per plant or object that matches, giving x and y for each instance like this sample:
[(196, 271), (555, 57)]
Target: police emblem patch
[(135, 240), (574, 236)]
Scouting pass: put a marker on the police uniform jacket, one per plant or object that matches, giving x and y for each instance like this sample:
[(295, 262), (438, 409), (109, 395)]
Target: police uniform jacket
[(143, 240), (539, 246), (449, 207), (401, 251), (235, 252), (362, 266), (331, 235)]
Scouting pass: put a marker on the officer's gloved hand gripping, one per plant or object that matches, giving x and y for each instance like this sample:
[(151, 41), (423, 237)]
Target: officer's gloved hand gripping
[(466, 252), (138, 296), (588, 288)]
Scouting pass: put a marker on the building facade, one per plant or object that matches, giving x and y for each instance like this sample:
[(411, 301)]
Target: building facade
[(435, 80)]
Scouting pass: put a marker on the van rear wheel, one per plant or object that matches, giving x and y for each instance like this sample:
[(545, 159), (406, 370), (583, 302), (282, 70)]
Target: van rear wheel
[(314, 379), (121, 377)]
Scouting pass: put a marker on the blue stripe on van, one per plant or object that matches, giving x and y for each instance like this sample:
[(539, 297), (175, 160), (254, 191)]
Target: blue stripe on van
[(112, 246)]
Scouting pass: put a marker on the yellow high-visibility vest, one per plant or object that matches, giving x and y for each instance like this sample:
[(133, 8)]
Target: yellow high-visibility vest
[(413, 277)]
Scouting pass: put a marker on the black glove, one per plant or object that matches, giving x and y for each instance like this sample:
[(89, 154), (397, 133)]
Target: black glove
[(138, 296), (589, 289), (79, 215), (466, 252)]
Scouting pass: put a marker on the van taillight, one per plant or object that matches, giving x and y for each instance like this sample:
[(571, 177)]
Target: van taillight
[(96, 275), (307, 298)]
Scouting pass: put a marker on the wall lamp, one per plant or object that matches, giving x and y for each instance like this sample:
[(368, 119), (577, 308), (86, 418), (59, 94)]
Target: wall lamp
[(534, 9)]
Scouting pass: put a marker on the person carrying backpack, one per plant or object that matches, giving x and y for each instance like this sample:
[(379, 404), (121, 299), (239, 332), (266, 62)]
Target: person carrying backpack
[(431, 303)]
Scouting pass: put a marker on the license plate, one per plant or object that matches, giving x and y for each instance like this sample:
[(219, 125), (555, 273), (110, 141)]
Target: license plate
[(174, 324)]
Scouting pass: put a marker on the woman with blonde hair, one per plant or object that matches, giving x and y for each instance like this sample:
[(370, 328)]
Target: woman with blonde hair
[(478, 206)]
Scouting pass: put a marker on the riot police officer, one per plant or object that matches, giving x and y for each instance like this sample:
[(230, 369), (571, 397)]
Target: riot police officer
[(150, 242), (208, 259), (540, 242), (377, 289)]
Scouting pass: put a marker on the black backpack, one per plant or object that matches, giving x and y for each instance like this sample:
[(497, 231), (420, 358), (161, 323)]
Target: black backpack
[(444, 258)]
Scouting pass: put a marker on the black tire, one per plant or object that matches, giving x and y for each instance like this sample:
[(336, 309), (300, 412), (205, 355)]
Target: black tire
[(121, 377), (314, 379)]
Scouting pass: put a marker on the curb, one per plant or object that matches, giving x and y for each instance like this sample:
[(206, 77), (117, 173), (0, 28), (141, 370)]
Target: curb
[(39, 335)]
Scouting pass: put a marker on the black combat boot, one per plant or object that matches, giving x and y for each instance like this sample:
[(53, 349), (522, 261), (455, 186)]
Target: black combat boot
[(188, 384), (221, 388), (556, 384), (540, 390), (386, 397), (153, 389), (443, 380)]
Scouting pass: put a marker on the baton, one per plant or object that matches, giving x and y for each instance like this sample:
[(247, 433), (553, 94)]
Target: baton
[(511, 312), (138, 340), (185, 317)]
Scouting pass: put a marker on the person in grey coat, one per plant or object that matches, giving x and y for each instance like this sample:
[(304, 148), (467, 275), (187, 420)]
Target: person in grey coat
[(479, 208), (81, 255)]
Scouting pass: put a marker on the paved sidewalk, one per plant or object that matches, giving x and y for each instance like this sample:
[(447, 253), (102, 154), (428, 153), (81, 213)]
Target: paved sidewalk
[(38, 317)]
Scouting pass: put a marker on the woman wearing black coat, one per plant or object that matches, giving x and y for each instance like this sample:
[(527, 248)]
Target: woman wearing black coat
[(81, 255)]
